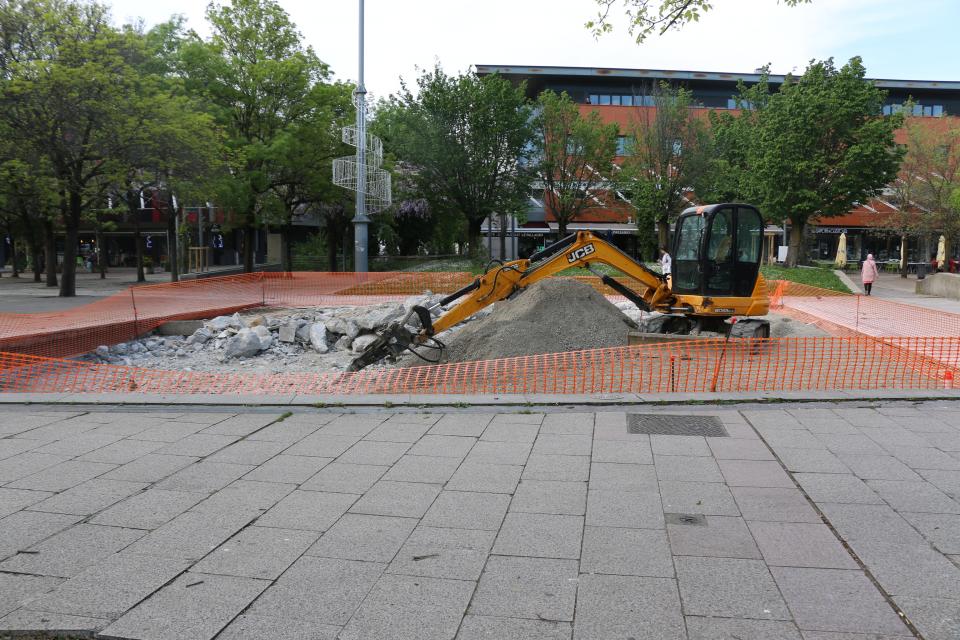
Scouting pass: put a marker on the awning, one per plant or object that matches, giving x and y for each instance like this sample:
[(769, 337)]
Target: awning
[(618, 228)]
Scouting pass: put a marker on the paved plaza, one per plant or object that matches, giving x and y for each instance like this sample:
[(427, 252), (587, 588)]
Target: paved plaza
[(789, 522)]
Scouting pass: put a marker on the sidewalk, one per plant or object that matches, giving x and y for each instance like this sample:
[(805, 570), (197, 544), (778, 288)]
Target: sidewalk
[(891, 286)]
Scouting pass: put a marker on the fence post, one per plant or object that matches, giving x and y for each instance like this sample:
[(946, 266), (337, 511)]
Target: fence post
[(136, 328), (857, 322)]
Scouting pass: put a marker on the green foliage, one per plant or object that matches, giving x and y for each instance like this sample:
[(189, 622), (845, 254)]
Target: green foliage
[(821, 277), (573, 153)]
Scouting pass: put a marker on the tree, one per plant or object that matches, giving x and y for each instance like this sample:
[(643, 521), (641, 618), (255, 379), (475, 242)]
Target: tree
[(258, 78), (814, 148), (574, 156), (645, 17), (468, 139)]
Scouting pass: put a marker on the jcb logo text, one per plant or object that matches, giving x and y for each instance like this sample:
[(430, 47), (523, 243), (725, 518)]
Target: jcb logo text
[(580, 253)]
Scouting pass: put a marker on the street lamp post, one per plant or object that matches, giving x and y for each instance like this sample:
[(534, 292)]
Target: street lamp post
[(360, 219)]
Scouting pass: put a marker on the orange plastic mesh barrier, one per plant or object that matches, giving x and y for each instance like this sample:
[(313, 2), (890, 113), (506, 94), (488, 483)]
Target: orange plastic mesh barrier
[(780, 364)]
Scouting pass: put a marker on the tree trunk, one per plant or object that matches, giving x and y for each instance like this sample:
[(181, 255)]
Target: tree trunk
[(35, 257), (248, 237), (473, 236), (663, 234), (68, 279), (903, 256), (133, 201), (172, 250), (561, 228), (50, 252), (102, 256), (286, 252), (13, 248), (332, 247), (796, 241), (503, 238)]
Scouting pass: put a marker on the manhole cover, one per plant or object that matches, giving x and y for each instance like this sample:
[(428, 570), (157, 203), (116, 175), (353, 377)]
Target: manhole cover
[(675, 425), (690, 519)]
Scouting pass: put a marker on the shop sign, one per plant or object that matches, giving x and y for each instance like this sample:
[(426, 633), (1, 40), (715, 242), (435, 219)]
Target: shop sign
[(836, 230)]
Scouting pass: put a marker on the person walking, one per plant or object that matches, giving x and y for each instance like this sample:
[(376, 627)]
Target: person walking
[(868, 273), (666, 266)]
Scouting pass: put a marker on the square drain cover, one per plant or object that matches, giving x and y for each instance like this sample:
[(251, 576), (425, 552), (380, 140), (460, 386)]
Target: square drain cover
[(690, 519), (675, 425)]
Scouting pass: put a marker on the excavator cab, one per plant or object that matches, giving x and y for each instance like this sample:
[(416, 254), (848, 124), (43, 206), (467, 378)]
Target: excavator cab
[(716, 251)]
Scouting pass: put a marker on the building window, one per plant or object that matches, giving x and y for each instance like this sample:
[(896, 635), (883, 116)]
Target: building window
[(732, 103), (919, 110), (627, 101), (604, 100), (625, 145), (619, 100), (615, 100), (593, 99)]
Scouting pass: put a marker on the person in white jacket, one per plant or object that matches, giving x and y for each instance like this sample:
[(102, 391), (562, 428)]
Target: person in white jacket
[(666, 266)]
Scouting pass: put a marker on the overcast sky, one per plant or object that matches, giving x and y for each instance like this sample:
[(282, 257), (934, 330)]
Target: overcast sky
[(902, 39)]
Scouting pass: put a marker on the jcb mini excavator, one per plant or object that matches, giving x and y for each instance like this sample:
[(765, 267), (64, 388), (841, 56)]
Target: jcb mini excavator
[(716, 275)]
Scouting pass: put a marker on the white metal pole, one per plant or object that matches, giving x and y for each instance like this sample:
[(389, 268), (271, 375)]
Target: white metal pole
[(360, 220)]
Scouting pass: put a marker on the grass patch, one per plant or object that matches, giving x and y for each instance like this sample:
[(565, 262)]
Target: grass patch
[(821, 277)]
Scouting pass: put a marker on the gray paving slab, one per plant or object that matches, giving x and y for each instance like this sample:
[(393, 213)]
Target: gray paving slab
[(323, 445), (289, 430), (905, 495), (79, 444), (492, 452), (836, 487), (10, 447), (243, 424), (444, 446), (622, 477), (641, 510), (634, 452), (69, 552), (151, 467), (935, 618), (666, 445), (533, 588), (874, 467), (147, 510), (364, 537), (320, 590), (374, 453), (719, 537), (288, 469), (13, 500), (810, 460), (195, 605), (471, 424), (546, 496), (628, 607), (739, 449), (467, 510), (310, 510), (410, 607), (754, 473), (489, 627), (244, 497), (708, 498), (792, 439), (729, 588), (501, 430), (56, 477), (429, 469), (851, 443), (560, 468), (168, 431), (836, 600), (338, 477), (574, 424), (23, 529), (353, 425), (774, 504), (909, 570), (860, 523), (699, 628), (257, 552), (89, 497), (458, 554), (491, 478), (925, 458), (626, 552), (198, 445), (941, 529), (121, 452), (403, 499), (795, 544), (190, 535), (108, 589), (204, 477), (540, 536), (408, 432), (946, 481), (247, 627), (17, 589), (45, 622), (687, 468), (252, 452), (563, 444)]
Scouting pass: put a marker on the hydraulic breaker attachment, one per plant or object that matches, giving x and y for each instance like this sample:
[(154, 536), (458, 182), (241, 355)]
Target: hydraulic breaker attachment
[(396, 338)]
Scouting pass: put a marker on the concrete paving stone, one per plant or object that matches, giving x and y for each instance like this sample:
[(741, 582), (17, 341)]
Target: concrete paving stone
[(708, 498), (204, 477), (830, 426), (810, 460), (908, 569), (540, 535), (611, 432), (628, 607), (289, 431), (415, 608), (374, 453), (288, 469), (622, 477), (257, 552), (403, 499), (430, 469), (26, 620), (946, 481), (544, 496), (796, 544), (198, 445), (943, 441), (872, 467), (940, 529), (467, 510), (570, 424), (836, 600), (12, 446), (457, 554), (518, 417), (755, 473), (935, 618), (443, 446), (358, 425), (774, 505), (152, 467), (90, 497), (778, 418), (626, 552), (462, 424), (246, 627), (13, 500), (69, 552), (857, 443), (424, 417), (323, 445), (489, 627), (168, 431), (722, 537), (320, 590), (563, 444), (830, 635), (560, 468), (364, 537), (190, 535), (195, 605), (862, 416), (25, 464), (859, 523), (687, 468), (926, 458), (18, 589), (108, 589), (23, 529), (634, 452), (729, 588), (147, 510), (491, 478), (732, 629), (893, 439), (244, 497), (408, 432), (502, 431), (243, 424), (490, 452), (310, 510), (837, 488), (666, 445), (738, 449), (914, 496), (793, 439), (338, 477), (534, 588), (121, 452), (62, 476), (78, 445), (633, 509), (56, 431)]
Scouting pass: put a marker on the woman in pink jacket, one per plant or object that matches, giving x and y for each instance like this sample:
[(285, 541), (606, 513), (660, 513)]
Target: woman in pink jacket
[(868, 273)]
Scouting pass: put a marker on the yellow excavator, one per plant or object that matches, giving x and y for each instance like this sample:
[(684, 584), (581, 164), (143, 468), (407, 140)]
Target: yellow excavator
[(716, 255)]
